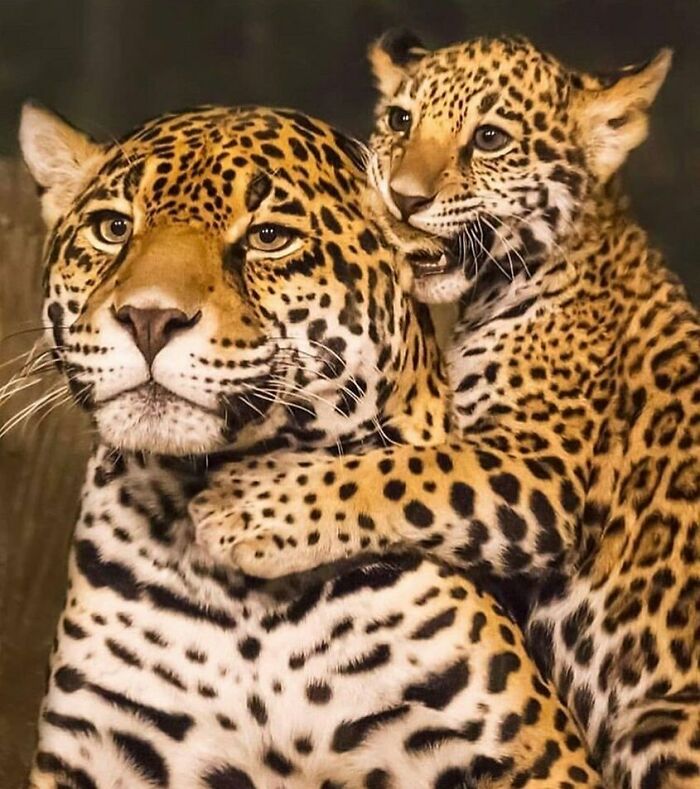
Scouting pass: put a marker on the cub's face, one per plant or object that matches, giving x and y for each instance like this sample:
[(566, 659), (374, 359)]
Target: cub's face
[(495, 147), (214, 277)]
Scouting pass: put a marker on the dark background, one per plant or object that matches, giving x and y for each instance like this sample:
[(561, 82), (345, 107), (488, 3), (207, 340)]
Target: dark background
[(109, 64)]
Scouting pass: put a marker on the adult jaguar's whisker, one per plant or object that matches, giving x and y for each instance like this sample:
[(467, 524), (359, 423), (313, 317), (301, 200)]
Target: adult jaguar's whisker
[(30, 409)]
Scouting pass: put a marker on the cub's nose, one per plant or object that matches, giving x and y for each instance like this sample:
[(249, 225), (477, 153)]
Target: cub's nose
[(152, 329), (410, 204)]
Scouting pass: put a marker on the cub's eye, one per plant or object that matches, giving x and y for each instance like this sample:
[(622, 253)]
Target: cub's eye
[(491, 138), (399, 119), (112, 228), (269, 238)]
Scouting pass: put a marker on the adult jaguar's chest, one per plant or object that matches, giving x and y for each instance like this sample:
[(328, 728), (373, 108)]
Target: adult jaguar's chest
[(169, 672)]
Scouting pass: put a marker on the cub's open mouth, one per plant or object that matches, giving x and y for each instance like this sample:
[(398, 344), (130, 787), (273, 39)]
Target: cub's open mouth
[(466, 250), (431, 264)]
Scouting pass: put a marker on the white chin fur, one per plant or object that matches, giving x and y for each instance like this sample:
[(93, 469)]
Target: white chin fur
[(440, 288), (164, 424)]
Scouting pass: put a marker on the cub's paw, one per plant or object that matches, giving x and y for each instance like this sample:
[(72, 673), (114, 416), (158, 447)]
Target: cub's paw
[(271, 553), (216, 527), (235, 525)]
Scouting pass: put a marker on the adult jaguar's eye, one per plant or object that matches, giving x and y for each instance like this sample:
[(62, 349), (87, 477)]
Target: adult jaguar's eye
[(491, 138), (269, 238), (399, 119), (111, 227)]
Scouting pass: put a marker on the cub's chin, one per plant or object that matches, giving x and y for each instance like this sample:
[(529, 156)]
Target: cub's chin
[(150, 419), (444, 287)]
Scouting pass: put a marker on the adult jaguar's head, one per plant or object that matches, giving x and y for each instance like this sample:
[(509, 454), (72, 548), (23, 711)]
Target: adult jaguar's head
[(497, 147), (214, 278)]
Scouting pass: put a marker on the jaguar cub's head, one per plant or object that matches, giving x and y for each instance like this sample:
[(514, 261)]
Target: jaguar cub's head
[(215, 278), (496, 147)]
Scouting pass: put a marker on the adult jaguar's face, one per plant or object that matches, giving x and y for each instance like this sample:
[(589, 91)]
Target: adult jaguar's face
[(495, 147), (213, 277)]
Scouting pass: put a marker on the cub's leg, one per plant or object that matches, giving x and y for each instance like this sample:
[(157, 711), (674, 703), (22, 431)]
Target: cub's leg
[(462, 502)]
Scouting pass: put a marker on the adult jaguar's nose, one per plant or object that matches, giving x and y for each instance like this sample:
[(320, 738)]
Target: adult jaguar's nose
[(410, 204), (153, 328)]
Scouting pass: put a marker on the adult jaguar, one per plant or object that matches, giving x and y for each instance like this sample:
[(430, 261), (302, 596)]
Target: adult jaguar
[(215, 279), (575, 365)]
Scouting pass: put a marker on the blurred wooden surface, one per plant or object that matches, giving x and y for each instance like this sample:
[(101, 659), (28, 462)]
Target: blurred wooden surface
[(41, 467)]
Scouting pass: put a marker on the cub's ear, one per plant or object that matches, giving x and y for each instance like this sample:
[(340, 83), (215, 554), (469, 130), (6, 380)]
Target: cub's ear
[(393, 57), (59, 157), (613, 111)]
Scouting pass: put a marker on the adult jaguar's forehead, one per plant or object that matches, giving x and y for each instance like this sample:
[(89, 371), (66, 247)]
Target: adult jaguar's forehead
[(208, 155)]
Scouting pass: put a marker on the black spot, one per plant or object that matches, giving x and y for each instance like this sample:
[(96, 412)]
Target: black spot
[(227, 777), (69, 723), (69, 679), (298, 315), (484, 767), (510, 726), (351, 734), (440, 688), (347, 491), (122, 653), (436, 623), (543, 764), (506, 486), (368, 242), (257, 709), (444, 462), (394, 489), (452, 778), (318, 692), (278, 762), (55, 313), (143, 757), (249, 648), (377, 656), (540, 639), (377, 779), (478, 624), (330, 221), (500, 666), (462, 499), (429, 738), (583, 704), (162, 597), (513, 526), (73, 629), (665, 731), (544, 152), (418, 514), (99, 573)]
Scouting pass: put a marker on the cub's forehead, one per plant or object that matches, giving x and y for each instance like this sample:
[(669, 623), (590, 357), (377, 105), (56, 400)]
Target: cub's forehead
[(484, 63)]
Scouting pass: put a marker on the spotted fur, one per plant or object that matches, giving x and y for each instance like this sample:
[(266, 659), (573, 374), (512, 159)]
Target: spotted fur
[(575, 363), (182, 337)]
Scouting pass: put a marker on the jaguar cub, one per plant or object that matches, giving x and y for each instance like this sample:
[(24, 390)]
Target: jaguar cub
[(574, 367)]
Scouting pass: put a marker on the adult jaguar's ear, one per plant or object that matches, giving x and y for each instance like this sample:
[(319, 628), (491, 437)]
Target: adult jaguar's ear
[(59, 157), (393, 57), (613, 111)]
